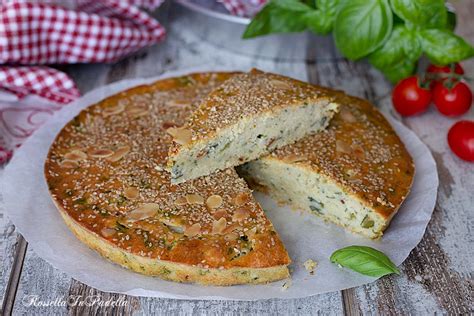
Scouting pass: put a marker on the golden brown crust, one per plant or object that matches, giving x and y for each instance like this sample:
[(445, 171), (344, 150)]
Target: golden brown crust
[(360, 152), (106, 171), (172, 271), (246, 95)]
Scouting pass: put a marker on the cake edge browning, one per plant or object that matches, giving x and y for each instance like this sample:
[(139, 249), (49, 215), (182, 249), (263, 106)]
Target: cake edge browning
[(171, 271)]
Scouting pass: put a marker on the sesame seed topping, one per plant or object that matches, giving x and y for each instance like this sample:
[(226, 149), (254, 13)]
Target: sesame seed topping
[(360, 151), (117, 186)]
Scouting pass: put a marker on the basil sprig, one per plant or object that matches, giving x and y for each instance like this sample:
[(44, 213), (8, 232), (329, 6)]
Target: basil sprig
[(362, 26), (392, 34), (365, 260)]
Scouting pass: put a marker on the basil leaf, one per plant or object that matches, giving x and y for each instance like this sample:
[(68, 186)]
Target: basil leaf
[(443, 47), (398, 55), (421, 13), (401, 70), (452, 20), (362, 26), (365, 260), (311, 3), (402, 43), (321, 21), (278, 16), (329, 7), (291, 5)]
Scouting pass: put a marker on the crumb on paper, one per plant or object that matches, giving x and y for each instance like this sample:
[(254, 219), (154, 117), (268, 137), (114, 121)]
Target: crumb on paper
[(286, 285), (310, 265)]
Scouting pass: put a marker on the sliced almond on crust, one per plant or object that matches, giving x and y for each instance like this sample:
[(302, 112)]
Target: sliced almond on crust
[(294, 158), (181, 201), (119, 154), (240, 214), (231, 236), (342, 147), (358, 151), (241, 199), (69, 164), (351, 172), (173, 226), (251, 233), (193, 230), (219, 213), (279, 84), (180, 135), (113, 110), (137, 111), (75, 155), (194, 199), (100, 153), (176, 229), (214, 201), (131, 193), (232, 228), (107, 232), (347, 116), (167, 124), (177, 103), (144, 211), (218, 226)]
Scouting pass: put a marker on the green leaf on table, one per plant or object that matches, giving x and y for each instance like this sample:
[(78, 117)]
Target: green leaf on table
[(278, 16), (362, 26), (421, 13), (443, 47), (365, 260), (398, 56)]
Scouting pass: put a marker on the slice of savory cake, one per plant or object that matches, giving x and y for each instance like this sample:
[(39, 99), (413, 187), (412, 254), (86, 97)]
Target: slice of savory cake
[(246, 117), (355, 174), (106, 175)]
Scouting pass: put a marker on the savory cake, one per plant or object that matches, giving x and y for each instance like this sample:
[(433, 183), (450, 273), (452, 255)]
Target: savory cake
[(105, 172), (246, 117), (355, 174)]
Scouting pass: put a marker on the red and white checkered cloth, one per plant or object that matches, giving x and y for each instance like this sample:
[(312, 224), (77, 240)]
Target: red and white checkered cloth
[(244, 8), (35, 32)]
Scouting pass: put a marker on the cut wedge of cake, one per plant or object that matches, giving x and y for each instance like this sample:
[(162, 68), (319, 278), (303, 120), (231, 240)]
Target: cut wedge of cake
[(355, 174), (248, 116), (106, 175)]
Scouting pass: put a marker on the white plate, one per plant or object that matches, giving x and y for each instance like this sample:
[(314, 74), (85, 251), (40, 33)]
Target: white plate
[(29, 206)]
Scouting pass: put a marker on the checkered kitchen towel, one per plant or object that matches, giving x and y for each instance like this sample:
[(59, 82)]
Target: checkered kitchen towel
[(244, 8), (35, 32)]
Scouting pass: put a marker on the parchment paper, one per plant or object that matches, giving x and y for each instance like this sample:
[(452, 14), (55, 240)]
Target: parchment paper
[(305, 236)]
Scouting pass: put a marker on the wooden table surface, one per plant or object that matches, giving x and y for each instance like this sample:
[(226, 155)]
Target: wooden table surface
[(436, 277)]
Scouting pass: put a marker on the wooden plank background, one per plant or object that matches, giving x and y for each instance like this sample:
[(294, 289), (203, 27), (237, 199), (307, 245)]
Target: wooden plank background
[(436, 277)]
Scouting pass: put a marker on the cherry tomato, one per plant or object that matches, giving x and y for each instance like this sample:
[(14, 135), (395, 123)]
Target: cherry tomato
[(409, 98), (461, 140), (434, 69), (452, 101)]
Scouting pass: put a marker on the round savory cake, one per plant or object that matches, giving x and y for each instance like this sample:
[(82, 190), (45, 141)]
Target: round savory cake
[(105, 172)]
